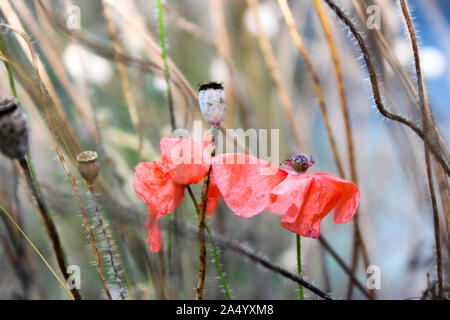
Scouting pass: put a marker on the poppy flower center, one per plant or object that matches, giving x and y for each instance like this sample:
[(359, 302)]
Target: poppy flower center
[(299, 162)]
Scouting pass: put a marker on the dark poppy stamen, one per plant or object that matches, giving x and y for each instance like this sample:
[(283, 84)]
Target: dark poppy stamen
[(299, 162)]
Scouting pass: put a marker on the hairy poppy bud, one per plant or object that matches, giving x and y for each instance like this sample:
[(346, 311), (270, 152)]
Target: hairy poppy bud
[(212, 102), (299, 162), (14, 141), (88, 165)]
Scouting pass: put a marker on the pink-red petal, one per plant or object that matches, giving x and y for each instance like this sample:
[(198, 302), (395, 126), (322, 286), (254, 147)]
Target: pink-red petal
[(305, 199), (154, 231), (348, 202), (245, 182), (153, 183), (189, 159)]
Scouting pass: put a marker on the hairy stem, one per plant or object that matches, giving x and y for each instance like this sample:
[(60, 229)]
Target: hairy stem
[(201, 224), (214, 249), (201, 238), (426, 117), (97, 255), (108, 244), (49, 225), (435, 149), (299, 266), (22, 266)]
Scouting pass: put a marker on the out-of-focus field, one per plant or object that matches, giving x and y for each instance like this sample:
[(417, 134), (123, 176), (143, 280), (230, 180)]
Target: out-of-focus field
[(122, 114)]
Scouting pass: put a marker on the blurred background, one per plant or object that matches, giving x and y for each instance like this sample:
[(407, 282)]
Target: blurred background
[(106, 91)]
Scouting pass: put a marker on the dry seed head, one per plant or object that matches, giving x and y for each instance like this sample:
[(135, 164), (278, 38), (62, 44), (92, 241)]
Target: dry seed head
[(88, 165), (212, 101), (14, 129)]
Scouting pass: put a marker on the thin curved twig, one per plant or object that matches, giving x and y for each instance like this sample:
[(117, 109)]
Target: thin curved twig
[(426, 116), (236, 247), (376, 89), (358, 240), (49, 225), (59, 251)]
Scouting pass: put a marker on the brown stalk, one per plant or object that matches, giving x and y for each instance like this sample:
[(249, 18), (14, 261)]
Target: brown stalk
[(358, 240), (123, 76), (290, 22), (389, 55), (341, 88), (49, 225), (21, 262), (201, 240), (201, 227), (445, 198), (52, 130), (127, 59), (271, 63), (51, 229), (435, 149), (426, 118), (433, 14), (154, 52)]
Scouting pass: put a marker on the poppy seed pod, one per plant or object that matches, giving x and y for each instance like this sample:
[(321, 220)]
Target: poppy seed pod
[(88, 165), (14, 131), (212, 103)]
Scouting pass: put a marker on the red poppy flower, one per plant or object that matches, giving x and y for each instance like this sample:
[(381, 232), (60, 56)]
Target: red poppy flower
[(305, 199), (161, 183)]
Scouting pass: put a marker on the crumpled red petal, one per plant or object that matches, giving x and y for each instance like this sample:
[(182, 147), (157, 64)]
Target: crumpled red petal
[(154, 184), (154, 231), (245, 182), (189, 159), (305, 199)]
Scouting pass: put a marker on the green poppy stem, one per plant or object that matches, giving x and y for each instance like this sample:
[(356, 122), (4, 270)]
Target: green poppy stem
[(299, 266)]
